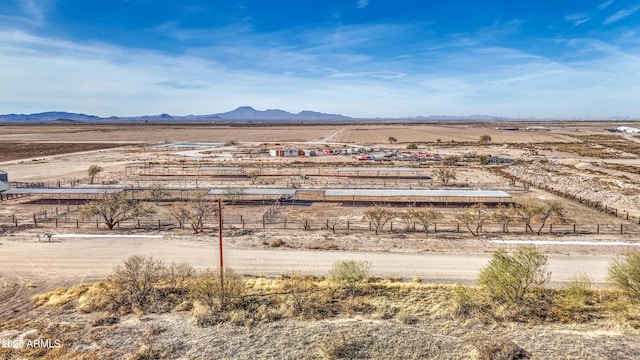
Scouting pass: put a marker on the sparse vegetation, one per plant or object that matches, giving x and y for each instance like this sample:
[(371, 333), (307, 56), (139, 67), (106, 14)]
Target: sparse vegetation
[(412, 146), (392, 140), (485, 139)]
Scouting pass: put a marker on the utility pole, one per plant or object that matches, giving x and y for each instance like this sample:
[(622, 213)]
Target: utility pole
[(220, 243)]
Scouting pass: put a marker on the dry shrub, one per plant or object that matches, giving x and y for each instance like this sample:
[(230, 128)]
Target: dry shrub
[(209, 290), (203, 315), (305, 299), (406, 318), (61, 296), (104, 318), (496, 347), (345, 345), (149, 348), (572, 302)]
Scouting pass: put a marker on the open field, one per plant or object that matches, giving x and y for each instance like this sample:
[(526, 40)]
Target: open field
[(593, 174)]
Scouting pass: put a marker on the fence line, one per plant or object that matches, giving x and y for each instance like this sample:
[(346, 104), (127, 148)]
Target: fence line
[(46, 220)]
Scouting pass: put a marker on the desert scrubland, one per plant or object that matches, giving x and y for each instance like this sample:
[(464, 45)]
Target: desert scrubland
[(421, 295)]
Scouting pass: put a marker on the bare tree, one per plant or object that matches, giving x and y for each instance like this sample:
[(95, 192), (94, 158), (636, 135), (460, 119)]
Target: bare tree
[(527, 211), (115, 208), (233, 194), (444, 174), (181, 212), (427, 217), (504, 214), (93, 171), (550, 210), (157, 192), (408, 218), (379, 216), (253, 175), (199, 209), (473, 218)]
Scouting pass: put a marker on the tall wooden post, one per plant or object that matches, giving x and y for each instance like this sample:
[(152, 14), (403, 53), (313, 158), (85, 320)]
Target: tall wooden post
[(220, 243)]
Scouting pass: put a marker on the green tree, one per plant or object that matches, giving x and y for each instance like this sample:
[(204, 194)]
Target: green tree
[(392, 140), (510, 278), (115, 208)]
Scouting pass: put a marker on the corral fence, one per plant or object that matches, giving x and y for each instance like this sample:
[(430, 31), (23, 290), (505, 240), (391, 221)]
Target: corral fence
[(270, 221), (597, 205)]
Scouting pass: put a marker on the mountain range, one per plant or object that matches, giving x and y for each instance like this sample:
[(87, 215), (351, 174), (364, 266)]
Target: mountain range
[(243, 113), (249, 114)]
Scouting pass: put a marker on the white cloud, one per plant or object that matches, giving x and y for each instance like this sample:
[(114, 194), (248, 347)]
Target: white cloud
[(605, 4), (621, 14), (48, 74), (363, 4)]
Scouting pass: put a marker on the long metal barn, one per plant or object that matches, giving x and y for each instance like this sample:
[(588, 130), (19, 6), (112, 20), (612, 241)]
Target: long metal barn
[(359, 196)]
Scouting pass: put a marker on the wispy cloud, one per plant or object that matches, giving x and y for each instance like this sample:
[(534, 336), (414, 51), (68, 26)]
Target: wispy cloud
[(363, 4), (577, 18), (621, 14), (29, 12), (605, 4)]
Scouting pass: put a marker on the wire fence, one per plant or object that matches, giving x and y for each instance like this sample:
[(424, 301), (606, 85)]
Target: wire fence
[(271, 221)]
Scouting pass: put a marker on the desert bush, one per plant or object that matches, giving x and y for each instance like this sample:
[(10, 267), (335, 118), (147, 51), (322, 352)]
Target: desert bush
[(625, 274), (301, 300), (496, 347), (509, 278), (351, 274), (135, 282), (412, 146), (218, 295), (407, 318)]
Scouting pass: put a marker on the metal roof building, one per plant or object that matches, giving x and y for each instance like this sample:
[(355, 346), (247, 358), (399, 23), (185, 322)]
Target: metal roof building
[(60, 193), (418, 196)]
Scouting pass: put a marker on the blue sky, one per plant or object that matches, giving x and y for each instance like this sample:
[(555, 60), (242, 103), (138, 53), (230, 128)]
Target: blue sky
[(361, 58)]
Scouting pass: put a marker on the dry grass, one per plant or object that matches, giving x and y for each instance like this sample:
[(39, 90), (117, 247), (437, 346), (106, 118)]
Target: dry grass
[(304, 317)]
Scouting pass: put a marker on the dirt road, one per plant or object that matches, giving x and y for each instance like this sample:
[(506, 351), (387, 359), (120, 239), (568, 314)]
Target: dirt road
[(85, 259)]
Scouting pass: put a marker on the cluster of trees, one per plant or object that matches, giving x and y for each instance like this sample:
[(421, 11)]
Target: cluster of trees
[(472, 217)]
